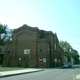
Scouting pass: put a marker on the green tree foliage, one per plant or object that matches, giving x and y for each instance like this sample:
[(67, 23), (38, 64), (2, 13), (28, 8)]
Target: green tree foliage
[(8, 36), (76, 56), (5, 34), (69, 51), (2, 31), (65, 45)]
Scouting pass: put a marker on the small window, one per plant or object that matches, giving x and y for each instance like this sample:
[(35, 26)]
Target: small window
[(8, 50), (59, 55), (40, 49), (55, 46)]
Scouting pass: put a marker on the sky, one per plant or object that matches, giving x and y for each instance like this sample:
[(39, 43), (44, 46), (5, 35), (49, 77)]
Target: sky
[(59, 16)]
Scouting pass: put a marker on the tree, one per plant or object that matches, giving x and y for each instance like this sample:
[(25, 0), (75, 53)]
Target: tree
[(66, 48), (76, 56), (5, 34), (69, 51), (65, 45), (8, 36), (2, 31)]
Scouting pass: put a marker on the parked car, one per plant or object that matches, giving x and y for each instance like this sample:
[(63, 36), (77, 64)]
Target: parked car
[(70, 64), (66, 65)]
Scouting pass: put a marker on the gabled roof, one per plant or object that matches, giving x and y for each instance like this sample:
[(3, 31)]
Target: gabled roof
[(25, 26)]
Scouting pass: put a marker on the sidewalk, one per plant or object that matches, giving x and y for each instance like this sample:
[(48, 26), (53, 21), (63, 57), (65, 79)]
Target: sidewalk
[(17, 72)]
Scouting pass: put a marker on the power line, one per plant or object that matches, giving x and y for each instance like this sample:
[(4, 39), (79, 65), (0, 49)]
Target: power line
[(75, 43), (68, 32)]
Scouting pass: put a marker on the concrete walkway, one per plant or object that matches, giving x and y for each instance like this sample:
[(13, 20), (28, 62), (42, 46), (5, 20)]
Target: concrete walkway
[(17, 72)]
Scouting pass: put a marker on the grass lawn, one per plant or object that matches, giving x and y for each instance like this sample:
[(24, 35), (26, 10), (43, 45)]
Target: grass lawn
[(10, 68)]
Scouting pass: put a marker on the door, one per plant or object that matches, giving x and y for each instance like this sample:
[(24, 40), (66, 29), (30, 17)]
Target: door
[(40, 63), (8, 62)]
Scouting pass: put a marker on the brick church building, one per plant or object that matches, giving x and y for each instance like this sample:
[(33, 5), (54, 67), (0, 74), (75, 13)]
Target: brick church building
[(32, 47)]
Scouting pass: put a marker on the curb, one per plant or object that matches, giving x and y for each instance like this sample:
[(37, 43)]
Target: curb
[(20, 73)]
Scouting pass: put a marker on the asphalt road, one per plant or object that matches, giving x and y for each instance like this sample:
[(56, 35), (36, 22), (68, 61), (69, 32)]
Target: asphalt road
[(47, 74)]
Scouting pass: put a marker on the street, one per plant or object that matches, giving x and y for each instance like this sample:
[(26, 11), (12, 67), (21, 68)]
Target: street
[(48, 74)]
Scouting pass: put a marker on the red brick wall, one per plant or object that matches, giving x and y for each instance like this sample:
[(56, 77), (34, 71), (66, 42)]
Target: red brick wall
[(31, 38), (44, 54)]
